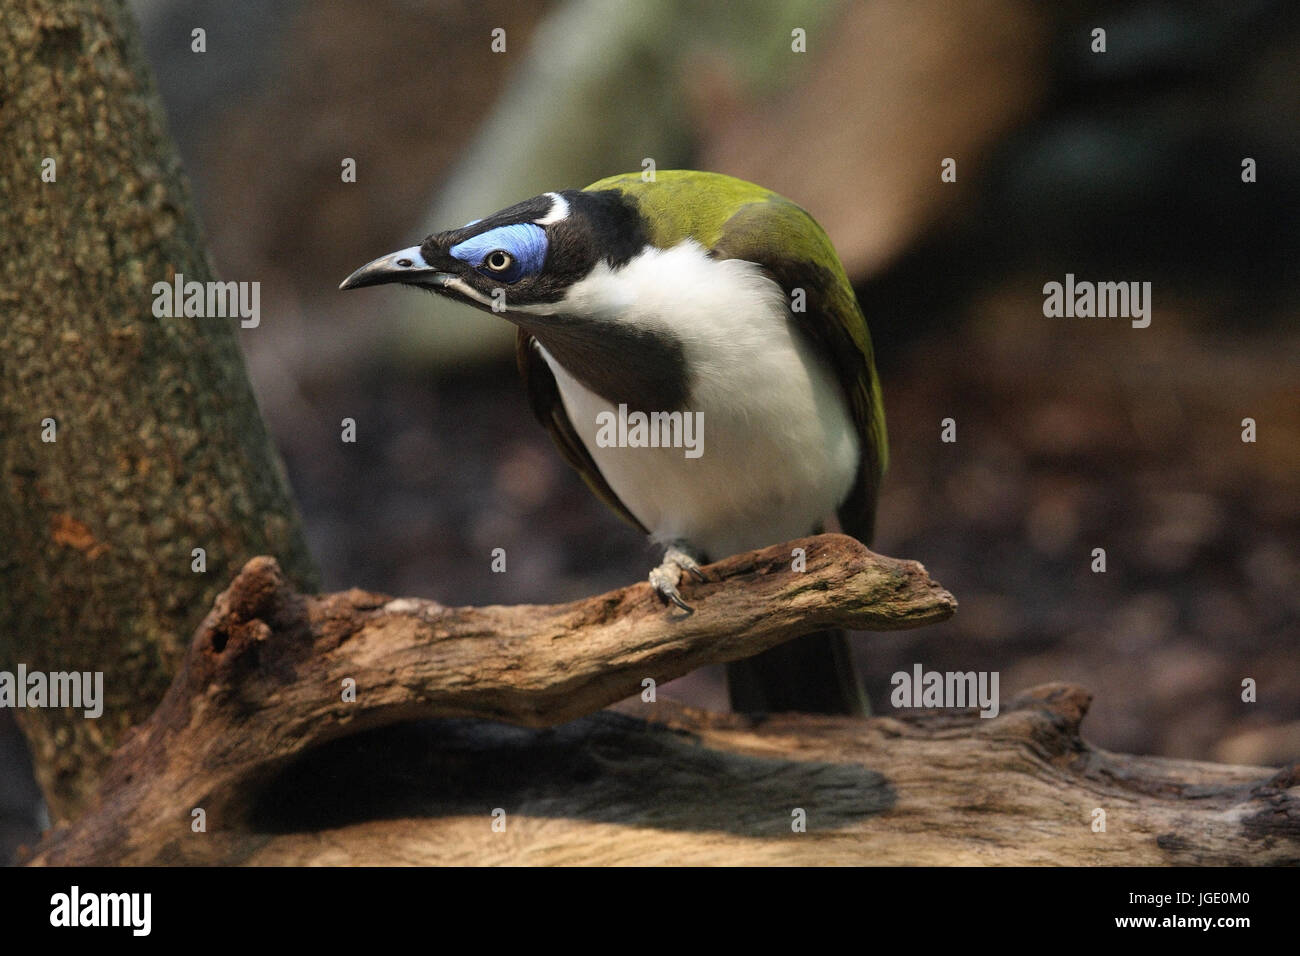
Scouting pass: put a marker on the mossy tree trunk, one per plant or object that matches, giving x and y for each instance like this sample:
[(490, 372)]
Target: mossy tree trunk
[(159, 446)]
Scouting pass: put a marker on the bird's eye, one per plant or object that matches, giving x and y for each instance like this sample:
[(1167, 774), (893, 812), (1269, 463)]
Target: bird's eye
[(498, 261)]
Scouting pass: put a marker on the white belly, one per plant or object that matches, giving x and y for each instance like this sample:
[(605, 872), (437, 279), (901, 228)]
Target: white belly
[(779, 449)]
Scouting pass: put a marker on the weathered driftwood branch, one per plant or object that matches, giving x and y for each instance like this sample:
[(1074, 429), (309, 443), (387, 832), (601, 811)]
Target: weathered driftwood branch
[(266, 674), (255, 733)]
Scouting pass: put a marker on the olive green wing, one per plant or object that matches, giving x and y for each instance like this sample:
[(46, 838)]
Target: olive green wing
[(738, 220), (795, 252), (544, 398)]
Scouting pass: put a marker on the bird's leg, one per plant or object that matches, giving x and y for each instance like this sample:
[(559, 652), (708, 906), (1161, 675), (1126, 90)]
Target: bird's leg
[(665, 578)]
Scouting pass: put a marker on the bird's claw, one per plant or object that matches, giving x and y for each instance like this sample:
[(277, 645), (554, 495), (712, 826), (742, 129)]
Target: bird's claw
[(685, 562), (665, 578)]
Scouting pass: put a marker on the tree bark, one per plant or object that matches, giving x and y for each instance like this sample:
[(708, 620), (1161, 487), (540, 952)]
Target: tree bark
[(159, 447), (260, 734)]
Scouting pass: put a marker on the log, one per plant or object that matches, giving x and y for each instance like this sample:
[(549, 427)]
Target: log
[(256, 733), (680, 786)]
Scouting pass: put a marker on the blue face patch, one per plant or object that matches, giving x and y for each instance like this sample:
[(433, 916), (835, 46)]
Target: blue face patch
[(523, 243)]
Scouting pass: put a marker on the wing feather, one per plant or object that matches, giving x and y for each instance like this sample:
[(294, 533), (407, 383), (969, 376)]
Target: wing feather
[(544, 398)]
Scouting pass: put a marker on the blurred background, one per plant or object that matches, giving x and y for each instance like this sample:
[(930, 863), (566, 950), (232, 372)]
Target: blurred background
[(1073, 434)]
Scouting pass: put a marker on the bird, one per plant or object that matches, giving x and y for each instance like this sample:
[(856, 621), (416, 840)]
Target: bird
[(697, 293)]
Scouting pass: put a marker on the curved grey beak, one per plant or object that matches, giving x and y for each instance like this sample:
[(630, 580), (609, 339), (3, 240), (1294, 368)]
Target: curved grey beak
[(404, 265)]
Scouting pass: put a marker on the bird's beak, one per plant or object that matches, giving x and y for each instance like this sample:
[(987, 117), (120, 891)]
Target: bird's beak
[(404, 265)]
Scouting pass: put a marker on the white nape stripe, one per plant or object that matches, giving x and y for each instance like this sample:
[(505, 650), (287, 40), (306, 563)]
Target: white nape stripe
[(558, 213)]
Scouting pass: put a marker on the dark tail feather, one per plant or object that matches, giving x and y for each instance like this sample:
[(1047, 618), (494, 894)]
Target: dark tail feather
[(813, 674)]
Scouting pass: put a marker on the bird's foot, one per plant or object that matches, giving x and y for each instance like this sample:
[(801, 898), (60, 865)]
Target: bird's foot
[(665, 578)]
